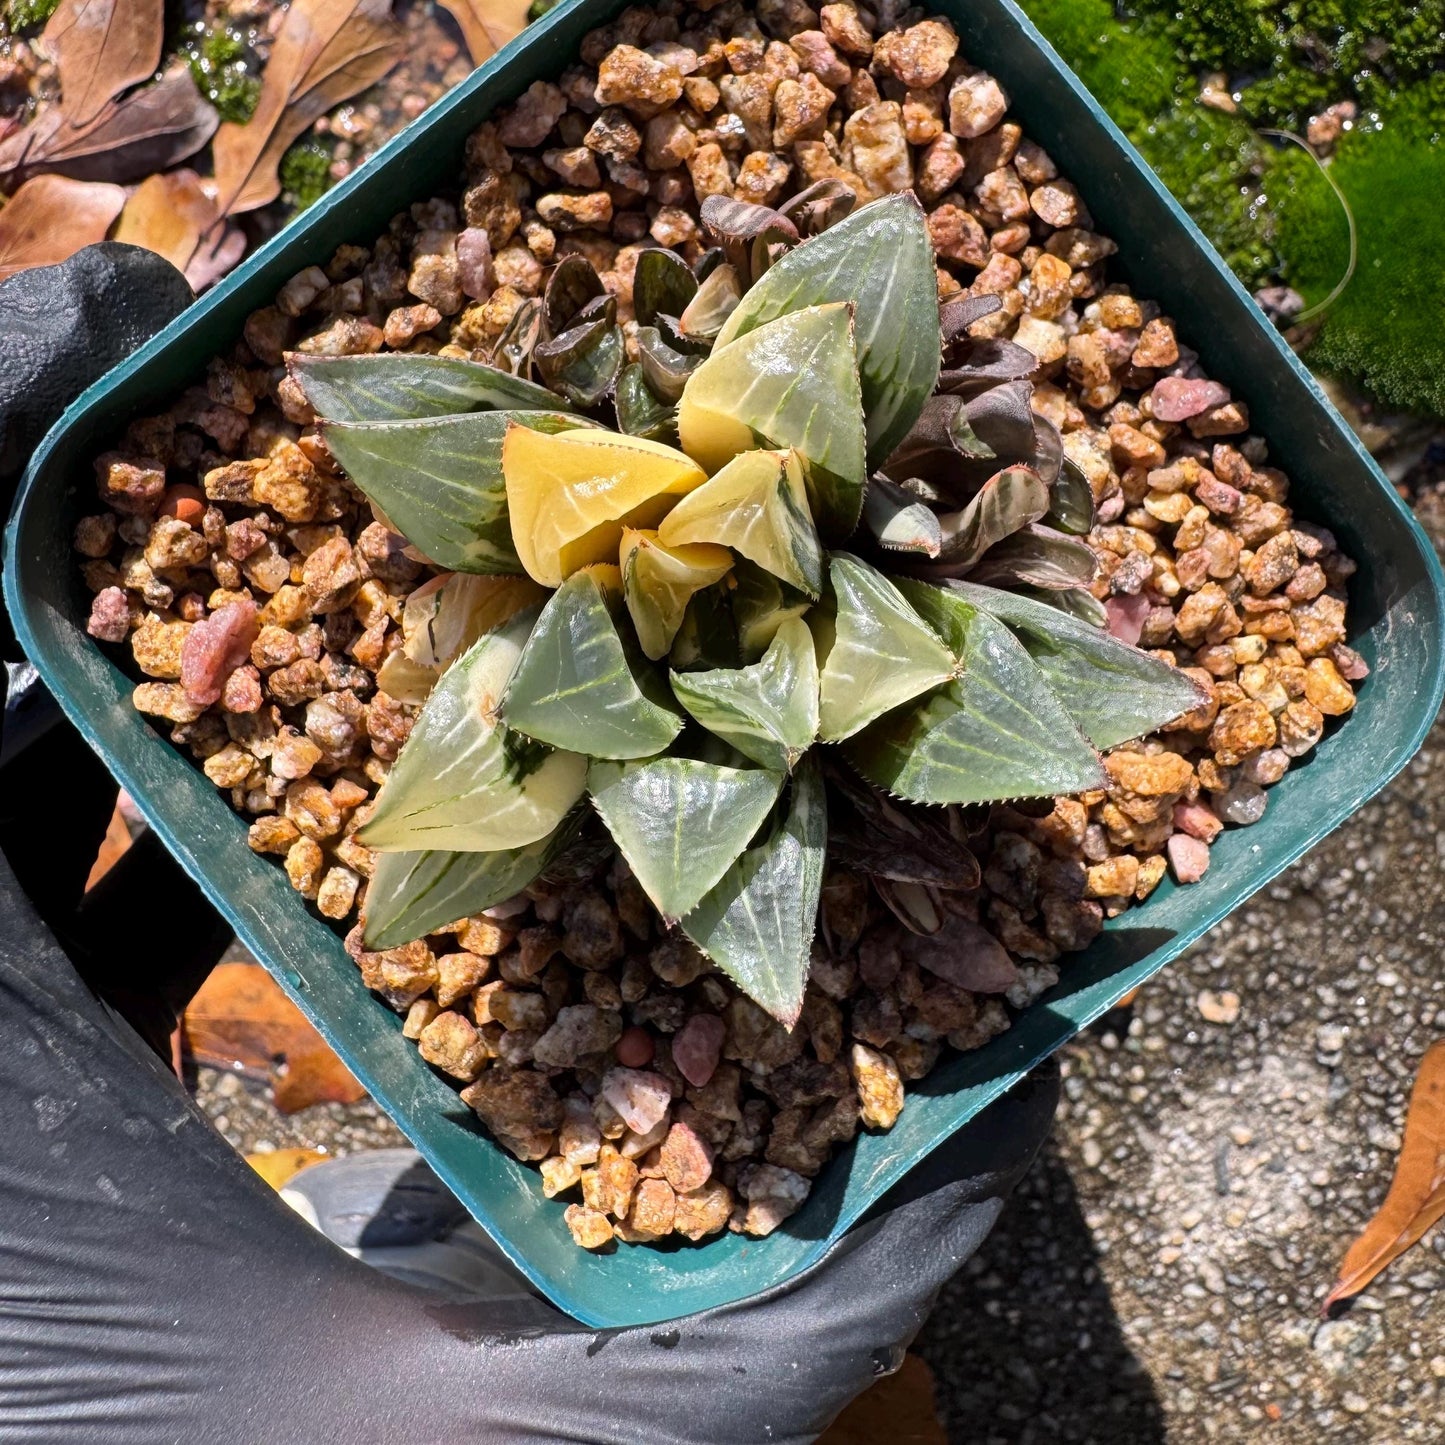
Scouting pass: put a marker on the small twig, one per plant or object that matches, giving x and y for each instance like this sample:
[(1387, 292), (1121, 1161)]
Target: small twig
[(1304, 145)]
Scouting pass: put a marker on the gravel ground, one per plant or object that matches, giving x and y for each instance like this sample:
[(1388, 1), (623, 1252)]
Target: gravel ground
[(1158, 1276), (244, 1112)]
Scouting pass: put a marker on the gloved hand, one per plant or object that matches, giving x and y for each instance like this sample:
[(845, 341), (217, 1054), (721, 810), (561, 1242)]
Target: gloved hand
[(153, 1288)]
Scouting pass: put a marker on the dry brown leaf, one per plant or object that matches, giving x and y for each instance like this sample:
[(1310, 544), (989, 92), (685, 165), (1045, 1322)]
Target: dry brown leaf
[(1416, 1200), (240, 1019), (150, 130), (51, 218), (101, 48), (278, 1167), (899, 1408), (487, 25), (168, 214), (327, 51), (220, 251), (113, 847)]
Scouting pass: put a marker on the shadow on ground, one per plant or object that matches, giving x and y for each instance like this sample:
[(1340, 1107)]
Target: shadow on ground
[(1025, 1343)]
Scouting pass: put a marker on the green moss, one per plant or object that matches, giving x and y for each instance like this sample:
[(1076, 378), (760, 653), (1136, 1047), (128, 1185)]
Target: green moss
[(305, 173), (222, 65), (1385, 330), (1131, 67), (1230, 35), (1306, 54), (1212, 163), (1209, 160), (23, 14)]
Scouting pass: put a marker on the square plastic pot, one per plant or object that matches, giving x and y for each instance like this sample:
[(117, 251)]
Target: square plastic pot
[(1395, 617)]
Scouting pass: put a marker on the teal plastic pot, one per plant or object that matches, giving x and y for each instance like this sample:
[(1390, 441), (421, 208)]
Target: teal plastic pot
[(1395, 614)]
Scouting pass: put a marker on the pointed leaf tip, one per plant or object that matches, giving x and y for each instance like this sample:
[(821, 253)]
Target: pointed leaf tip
[(880, 259), (681, 823), (1114, 692), (580, 684), (794, 383), (995, 731), (758, 923), (883, 653), (402, 386), (769, 711), (463, 781)]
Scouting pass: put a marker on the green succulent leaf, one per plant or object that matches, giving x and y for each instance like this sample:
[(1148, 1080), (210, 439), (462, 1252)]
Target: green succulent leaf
[(757, 505), (761, 605), (513, 351), (899, 521), (445, 616), (639, 411), (790, 383), (1075, 601), (769, 711), (879, 258), (589, 375), (996, 731), (411, 894), (666, 368), (1071, 500), (399, 386), (758, 924), (663, 284), (715, 301), (1037, 556), (573, 285), (680, 823), (1114, 692), (708, 637), (1009, 500), (464, 782), (882, 654), (581, 684), (658, 582), (439, 480)]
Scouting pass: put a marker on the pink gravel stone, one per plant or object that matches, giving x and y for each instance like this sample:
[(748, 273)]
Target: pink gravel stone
[(697, 1047), (215, 648), (109, 616), (474, 263), (1351, 666), (1198, 820), (1127, 616), (639, 1098), (1177, 398), (1189, 857)]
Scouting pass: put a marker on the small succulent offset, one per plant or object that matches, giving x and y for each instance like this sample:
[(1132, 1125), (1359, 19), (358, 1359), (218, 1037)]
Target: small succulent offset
[(826, 568)]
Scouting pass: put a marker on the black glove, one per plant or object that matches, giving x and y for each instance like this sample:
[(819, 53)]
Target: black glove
[(153, 1288)]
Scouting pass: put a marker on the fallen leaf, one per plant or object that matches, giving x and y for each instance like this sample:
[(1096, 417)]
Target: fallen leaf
[(1416, 1199), (168, 214), (150, 130), (113, 848), (102, 47), (899, 1408), (220, 251), (327, 51), (51, 218), (487, 25), (278, 1167), (241, 1020)]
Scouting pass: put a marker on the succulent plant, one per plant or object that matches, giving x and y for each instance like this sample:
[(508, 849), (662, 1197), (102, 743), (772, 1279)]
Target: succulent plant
[(805, 575)]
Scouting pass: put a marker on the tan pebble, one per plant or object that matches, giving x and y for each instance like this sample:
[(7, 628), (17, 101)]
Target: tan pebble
[(1218, 1008), (1326, 690)]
